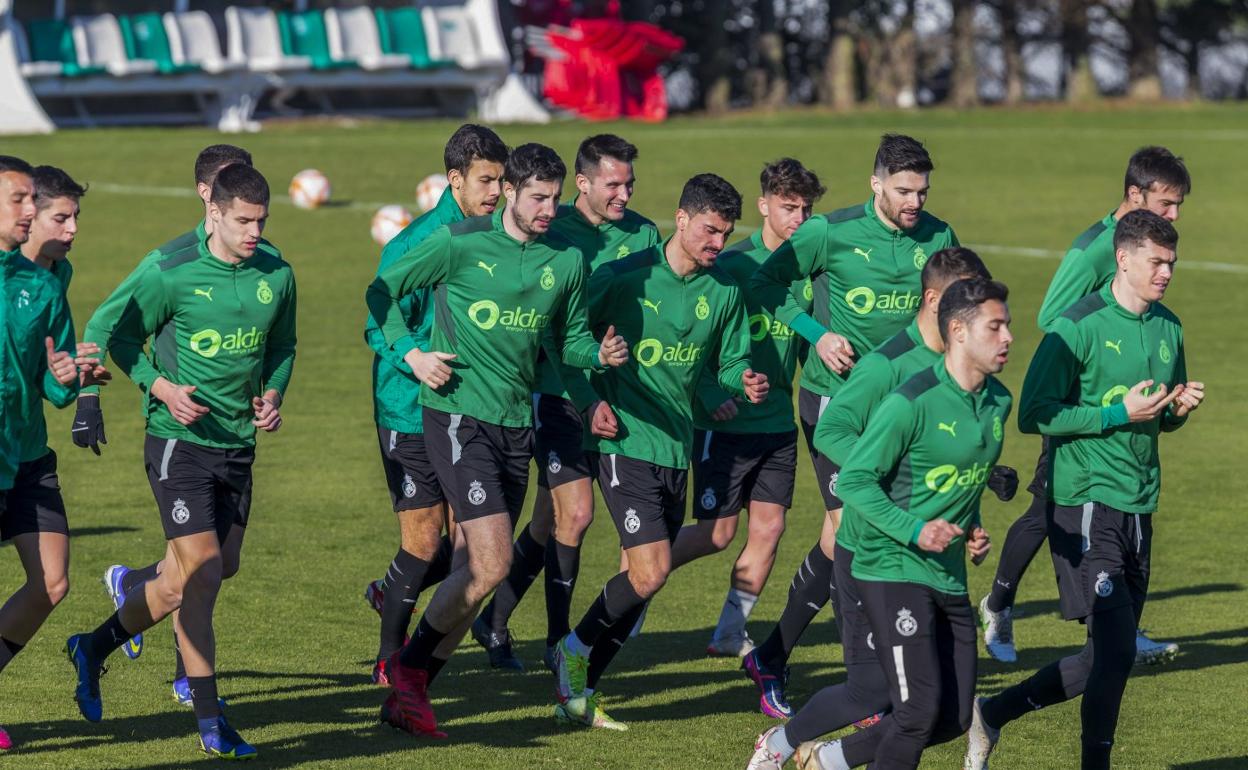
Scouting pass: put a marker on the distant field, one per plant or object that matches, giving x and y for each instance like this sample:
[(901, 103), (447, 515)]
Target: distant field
[(296, 640)]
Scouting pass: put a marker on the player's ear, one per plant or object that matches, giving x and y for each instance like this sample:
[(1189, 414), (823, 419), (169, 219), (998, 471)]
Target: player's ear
[(877, 185), (582, 184), (682, 220), (762, 206), (456, 178), (204, 190)]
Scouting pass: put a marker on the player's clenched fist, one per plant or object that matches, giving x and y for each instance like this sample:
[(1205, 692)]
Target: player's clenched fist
[(937, 534), (430, 368), (756, 386), (614, 349), (602, 422), (1191, 397), (978, 545), (60, 364), (268, 418)]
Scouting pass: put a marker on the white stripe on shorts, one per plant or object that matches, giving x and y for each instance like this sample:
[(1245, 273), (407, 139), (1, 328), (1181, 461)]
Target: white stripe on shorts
[(706, 446), (164, 458), (394, 440), (615, 479), (453, 431), (1085, 528), (899, 661), (823, 404)]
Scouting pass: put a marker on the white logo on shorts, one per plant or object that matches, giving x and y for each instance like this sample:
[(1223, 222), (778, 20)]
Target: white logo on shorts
[(409, 486), (832, 483), (870, 640), (906, 624), (708, 499), (632, 522), (181, 514), (1104, 586), (553, 463), (476, 495)]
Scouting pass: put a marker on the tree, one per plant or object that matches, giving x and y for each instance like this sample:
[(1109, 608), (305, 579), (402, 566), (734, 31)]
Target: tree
[(965, 86), (838, 88), (1143, 71), (1079, 85)]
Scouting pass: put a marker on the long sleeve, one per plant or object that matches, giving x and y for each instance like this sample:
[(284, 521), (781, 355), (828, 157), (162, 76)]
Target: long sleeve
[(61, 330), (1168, 421), (845, 418), (1052, 375), (146, 310), (734, 348), (576, 379), (428, 264), (883, 445), (577, 347), (801, 256), (1075, 278), (103, 321), (279, 348)]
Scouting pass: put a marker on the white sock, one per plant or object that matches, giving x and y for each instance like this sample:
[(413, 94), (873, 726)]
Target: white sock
[(737, 608), (576, 646), (831, 756), (779, 743)]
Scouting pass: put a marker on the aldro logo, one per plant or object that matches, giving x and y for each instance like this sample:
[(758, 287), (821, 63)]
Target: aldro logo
[(761, 326), (863, 299), (486, 315), (944, 478), (209, 342), (650, 351)]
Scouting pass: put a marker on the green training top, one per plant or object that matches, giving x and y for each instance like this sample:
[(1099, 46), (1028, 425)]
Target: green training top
[(493, 297), (926, 454), (396, 391), (1087, 266), (34, 309), (875, 375), (677, 326), (774, 351), (229, 330), (1095, 352), (598, 244), (866, 281)]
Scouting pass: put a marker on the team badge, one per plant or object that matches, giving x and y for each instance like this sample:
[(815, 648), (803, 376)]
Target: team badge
[(409, 486), (23, 299), (180, 513), (832, 483), (1164, 352), (920, 257), (547, 281), (632, 522), (1104, 586), (708, 499), (702, 310), (263, 293), (808, 291), (996, 427), (622, 252), (476, 494), (906, 625), (552, 462)]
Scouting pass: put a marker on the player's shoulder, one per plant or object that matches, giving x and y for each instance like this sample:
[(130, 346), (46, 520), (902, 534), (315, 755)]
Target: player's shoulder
[(997, 393), (270, 264), (721, 277), (634, 263), (634, 223), (31, 278), (471, 226), (1164, 314), (174, 245), (840, 216), (929, 226), (188, 254), (894, 347), (1098, 230), (268, 247), (920, 384), (1084, 308)]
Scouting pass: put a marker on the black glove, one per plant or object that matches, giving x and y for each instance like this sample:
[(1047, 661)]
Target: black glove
[(88, 428), (1003, 481)]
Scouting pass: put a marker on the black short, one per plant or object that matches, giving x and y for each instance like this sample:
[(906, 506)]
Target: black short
[(1101, 556), (34, 502), (199, 488), (732, 469), (1039, 486), (409, 474), (646, 501), (559, 437), (810, 406), (483, 468), (851, 618)]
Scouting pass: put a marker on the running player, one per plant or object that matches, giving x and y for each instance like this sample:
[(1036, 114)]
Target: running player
[(865, 264), (1108, 379), (599, 222), (685, 314), (473, 159), (500, 283), (745, 456), (1156, 181), (224, 312)]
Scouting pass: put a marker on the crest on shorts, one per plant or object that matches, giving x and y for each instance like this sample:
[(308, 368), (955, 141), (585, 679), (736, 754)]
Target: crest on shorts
[(632, 522), (547, 281), (264, 294), (920, 257), (1104, 586), (409, 485), (906, 624), (553, 463), (1164, 352), (708, 499), (702, 310), (180, 513), (996, 427), (476, 494), (832, 483)]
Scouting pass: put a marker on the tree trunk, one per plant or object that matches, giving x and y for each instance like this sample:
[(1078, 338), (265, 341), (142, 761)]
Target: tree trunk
[(714, 59), (1012, 51), (1080, 86), (964, 90), (904, 52), (1195, 88), (1142, 66), (838, 88)]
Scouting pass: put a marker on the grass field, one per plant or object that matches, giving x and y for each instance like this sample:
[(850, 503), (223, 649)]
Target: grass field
[(296, 640)]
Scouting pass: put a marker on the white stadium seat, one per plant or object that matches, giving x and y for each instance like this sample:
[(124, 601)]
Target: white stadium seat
[(99, 44), (353, 36), (193, 40), (255, 39), (466, 34)]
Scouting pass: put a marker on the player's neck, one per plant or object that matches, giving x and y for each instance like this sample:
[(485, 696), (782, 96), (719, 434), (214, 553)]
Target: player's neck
[(582, 205), (207, 221), (1126, 298), (770, 239), (880, 215), (219, 250), (512, 228), (1124, 208), (33, 255), (929, 330), (963, 370), (681, 263)]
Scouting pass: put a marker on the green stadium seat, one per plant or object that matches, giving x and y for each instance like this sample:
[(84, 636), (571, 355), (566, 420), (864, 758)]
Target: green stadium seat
[(402, 31), (51, 40), (145, 38), (303, 34)]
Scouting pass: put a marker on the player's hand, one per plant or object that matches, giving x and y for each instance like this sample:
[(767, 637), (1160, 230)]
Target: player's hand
[(978, 545), (88, 429), (1142, 408), (60, 364), (1003, 481), (268, 418), (756, 386), (937, 534), (177, 398), (614, 349), (430, 368), (602, 422), (725, 411), (1191, 397), (835, 352)]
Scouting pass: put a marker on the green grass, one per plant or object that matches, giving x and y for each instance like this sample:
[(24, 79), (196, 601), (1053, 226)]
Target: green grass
[(295, 639)]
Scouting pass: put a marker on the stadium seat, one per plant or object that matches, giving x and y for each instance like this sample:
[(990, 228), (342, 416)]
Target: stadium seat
[(354, 36), (304, 34), (193, 40), (27, 65), (402, 31), (52, 43), (452, 34), (255, 40), (99, 43), (145, 38)]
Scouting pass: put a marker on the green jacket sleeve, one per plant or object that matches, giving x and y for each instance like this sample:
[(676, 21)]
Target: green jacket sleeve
[(953, 238), (428, 264), (845, 418), (146, 310), (576, 380), (1052, 375), (801, 256), (279, 348), (570, 327), (1168, 421), (103, 321), (61, 330), (709, 393), (889, 434), (1073, 280), (734, 347)]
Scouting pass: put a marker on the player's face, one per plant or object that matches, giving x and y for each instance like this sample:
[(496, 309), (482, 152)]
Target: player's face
[(1148, 270), (1163, 201), (532, 207), (608, 188), (479, 190), (17, 208), (238, 225), (783, 214), (54, 228), (988, 337), (901, 197), (703, 236)]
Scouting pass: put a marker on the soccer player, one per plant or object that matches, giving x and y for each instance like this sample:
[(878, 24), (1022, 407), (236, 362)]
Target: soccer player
[(599, 222), (683, 314), (473, 159), (919, 346), (499, 283), (1108, 378), (745, 456), (864, 263), (224, 313), (1156, 181)]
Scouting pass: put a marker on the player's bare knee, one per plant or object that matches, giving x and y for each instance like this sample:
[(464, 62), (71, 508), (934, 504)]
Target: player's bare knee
[(720, 538), (647, 579), (768, 530), (56, 588)]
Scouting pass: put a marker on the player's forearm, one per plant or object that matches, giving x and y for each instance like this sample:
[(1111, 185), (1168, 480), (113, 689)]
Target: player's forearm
[(383, 306), (1051, 417), (377, 342), (279, 365), (58, 394), (709, 393), (581, 353), (130, 358), (860, 490)]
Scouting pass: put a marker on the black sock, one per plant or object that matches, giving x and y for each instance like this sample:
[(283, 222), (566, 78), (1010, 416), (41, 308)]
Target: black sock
[(419, 651), (527, 558), (8, 650), (137, 576), (563, 563), (434, 666), (617, 599), (440, 566), (179, 665), (610, 644), (403, 581), (109, 636), (204, 696), (1022, 541), (809, 591)]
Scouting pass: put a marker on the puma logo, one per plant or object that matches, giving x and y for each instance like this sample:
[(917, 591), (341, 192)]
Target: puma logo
[(948, 427), (864, 254), (204, 293), (1114, 346), (487, 268), (652, 305)]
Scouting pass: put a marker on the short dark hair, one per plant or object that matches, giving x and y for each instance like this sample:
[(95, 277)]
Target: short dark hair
[(952, 264), (599, 146), (240, 181), (1141, 225), (1156, 165), (709, 192), (898, 152), (9, 163), (472, 142), (215, 157), (52, 183), (788, 177), (533, 162), (962, 299)]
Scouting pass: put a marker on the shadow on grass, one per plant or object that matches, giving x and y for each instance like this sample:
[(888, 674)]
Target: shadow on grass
[(1225, 763), (1050, 606), (80, 532)]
